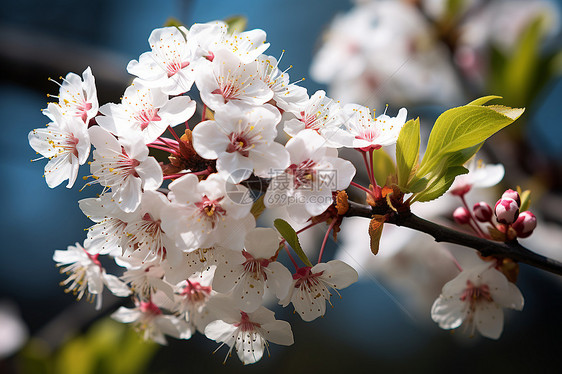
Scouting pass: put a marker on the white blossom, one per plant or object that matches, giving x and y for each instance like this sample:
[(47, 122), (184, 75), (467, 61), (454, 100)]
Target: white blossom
[(475, 298), (242, 139), (248, 333), (65, 142), (145, 112), (256, 268), (124, 166), (311, 287), (86, 276)]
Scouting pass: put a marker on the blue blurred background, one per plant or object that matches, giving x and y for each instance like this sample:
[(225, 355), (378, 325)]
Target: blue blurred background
[(364, 332)]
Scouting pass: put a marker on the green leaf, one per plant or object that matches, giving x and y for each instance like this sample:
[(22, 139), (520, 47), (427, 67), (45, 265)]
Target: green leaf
[(525, 197), (407, 150), (483, 100), (441, 185), (464, 127), (236, 24), (292, 239), (258, 207), (383, 166)]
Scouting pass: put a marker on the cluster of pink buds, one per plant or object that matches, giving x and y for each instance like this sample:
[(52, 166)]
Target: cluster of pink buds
[(510, 220)]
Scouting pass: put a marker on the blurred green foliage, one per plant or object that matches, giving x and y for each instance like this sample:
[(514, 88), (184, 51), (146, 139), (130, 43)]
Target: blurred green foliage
[(106, 347)]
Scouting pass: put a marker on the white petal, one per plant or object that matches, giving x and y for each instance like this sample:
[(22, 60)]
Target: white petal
[(150, 173), (262, 242), (126, 315), (489, 319), (337, 273), (449, 312), (278, 332), (116, 286), (279, 279)]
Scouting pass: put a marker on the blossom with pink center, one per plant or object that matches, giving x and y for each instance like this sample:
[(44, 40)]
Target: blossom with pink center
[(202, 215), (124, 167), (77, 97), (255, 269), (475, 298), (305, 188), (242, 139), (213, 36), (86, 276), (145, 277), (248, 333), (145, 112), (362, 131), (152, 322), (228, 79), (190, 300), (311, 287), (319, 113), (108, 234), (170, 65), (145, 236), (65, 142), (198, 261)]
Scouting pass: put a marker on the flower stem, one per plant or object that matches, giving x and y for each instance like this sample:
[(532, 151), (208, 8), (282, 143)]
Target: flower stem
[(172, 131), (479, 231), (291, 257), (326, 239)]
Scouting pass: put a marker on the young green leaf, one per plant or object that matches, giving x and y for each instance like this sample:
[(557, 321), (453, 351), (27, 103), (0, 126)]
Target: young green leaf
[(258, 207), (407, 150), (483, 100), (441, 185), (383, 166), (464, 127), (292, 239)]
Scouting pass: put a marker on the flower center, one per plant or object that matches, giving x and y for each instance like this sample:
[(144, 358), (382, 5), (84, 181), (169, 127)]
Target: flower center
[(305, 278), (195, 292), (245, 325), (474, 294), (303, 174), (147, 116), (255, 266), (211, 209), (172, 67), (148, 307)]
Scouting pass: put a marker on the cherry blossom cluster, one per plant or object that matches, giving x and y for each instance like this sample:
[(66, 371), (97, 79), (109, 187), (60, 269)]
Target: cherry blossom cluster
[(184, 230)]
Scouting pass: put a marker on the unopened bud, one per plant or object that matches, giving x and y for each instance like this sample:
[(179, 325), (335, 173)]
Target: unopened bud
[(525, 224), (482, 211), (461, 215), (507, 211), (510, 194)]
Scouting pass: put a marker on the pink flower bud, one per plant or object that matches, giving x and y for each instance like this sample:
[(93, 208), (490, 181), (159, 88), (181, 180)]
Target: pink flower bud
[(510, 194), (461, 215), (482, 211), (525, 224), (507, 211)]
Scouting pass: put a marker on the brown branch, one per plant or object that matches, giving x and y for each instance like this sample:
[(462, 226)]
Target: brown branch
[(512, 249)]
